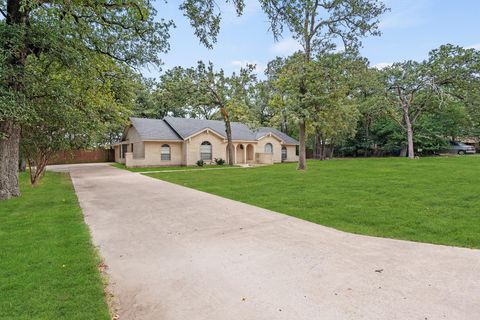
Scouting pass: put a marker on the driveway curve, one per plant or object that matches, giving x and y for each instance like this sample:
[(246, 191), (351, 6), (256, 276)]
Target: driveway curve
[(177, 253)]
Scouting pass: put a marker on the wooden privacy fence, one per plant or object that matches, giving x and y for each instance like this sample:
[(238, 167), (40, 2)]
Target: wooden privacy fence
[(82, 156)]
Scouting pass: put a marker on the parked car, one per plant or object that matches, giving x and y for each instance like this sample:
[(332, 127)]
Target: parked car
[(460, 148)]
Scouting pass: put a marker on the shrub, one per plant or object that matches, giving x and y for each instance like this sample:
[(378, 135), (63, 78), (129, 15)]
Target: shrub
[(200, 163), (219, 161)]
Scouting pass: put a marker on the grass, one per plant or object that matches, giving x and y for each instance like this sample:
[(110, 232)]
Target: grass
[(146, 169), (48, 267), (434, 200)]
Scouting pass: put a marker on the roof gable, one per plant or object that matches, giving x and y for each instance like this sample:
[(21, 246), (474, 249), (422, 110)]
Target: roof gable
[(284, 137), (154, 129)]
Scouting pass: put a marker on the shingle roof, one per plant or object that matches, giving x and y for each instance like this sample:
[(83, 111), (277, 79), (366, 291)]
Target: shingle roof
[(185, 127), (265, 130), (154, 129), (171, 128)]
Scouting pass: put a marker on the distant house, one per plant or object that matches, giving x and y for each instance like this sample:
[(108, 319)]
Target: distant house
[(180, 141)]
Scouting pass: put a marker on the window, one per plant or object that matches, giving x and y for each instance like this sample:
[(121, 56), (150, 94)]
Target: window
[(165, 152), (284, 153), (206, 151), (268, 148), (297, 150)]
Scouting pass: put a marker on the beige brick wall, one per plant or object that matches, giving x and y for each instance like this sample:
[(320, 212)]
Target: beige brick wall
[(219, 147), (147, 154), (152, 155), (291, 153), (138, 150), (277, 147)]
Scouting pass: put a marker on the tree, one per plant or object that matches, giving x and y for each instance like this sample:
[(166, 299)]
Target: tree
[(317, 24), (332, 82), (123, 30), (73, 108), (204, 87), (414, 87)]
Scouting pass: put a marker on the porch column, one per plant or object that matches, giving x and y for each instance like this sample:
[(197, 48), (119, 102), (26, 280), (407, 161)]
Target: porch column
[(244, 153)]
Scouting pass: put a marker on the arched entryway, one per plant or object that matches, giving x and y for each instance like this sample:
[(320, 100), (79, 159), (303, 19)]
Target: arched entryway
[(240, 153), (250, 153)]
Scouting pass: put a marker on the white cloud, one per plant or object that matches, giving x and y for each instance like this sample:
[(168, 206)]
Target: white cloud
[(382, 65), (259, 67), (474, 46), (286, 47)]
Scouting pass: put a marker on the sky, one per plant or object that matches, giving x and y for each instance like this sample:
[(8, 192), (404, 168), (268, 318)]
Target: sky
[(409, 31)]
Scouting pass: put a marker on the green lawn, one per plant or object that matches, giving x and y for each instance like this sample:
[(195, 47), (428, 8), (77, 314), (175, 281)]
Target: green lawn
[(145, 169), (435, 200), (48, 267)]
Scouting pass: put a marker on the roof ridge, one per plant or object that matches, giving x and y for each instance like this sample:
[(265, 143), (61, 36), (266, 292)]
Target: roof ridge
[(173, 129)]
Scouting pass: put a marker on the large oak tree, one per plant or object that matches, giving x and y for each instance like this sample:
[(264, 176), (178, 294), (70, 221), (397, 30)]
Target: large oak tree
[(124, 30), (317, 25)]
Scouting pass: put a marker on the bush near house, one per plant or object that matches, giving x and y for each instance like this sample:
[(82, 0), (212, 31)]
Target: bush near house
[(219, 161), (48, 267)]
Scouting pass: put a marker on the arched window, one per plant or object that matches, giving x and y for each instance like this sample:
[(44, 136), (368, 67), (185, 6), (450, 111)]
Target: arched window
[(268, 148), (165, 152), (206, 151), (284, 153)]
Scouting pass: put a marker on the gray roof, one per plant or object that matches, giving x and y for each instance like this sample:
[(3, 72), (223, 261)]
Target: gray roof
[(171, 128), (185, 127), (154, 129), (265, 130)]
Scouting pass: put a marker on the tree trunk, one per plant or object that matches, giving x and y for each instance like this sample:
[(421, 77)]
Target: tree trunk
[(9, 152), (302, 161), (301, 152), (9, 129), (40, 165), (284, 125), (409, 128), (228, 131)]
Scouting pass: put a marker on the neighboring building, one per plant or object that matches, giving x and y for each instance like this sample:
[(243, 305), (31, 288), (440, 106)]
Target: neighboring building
[(182, 142)]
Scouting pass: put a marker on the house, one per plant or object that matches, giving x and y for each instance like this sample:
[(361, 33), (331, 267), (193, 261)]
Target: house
[(182, 142)]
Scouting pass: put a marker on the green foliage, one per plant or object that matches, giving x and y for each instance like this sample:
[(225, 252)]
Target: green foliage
[(69, 31), (433, 95), (317, 24), (330, 100), (200, 163), (72, 107), (204, 18), (219, 161), (202, 91)]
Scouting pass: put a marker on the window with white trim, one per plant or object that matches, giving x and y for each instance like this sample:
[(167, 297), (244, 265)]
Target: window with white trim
[(268, 148), (165, 152), (206, 151)]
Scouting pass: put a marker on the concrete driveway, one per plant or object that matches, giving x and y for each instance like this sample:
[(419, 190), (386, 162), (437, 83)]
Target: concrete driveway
[(177, 253)]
